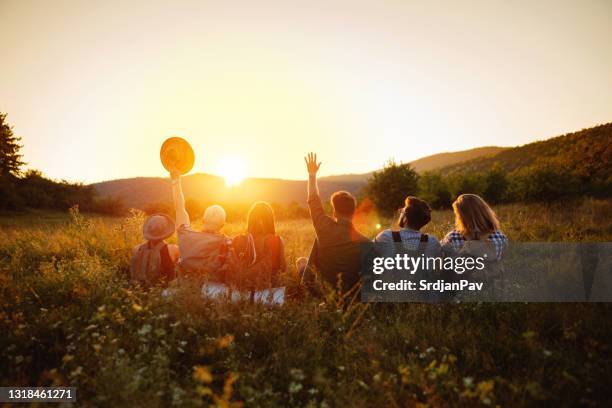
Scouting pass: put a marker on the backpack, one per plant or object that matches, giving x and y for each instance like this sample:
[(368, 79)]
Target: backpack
[(146, 265), (244, 248)]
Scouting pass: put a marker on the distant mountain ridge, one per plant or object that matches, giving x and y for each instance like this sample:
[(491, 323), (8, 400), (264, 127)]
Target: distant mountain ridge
[(587, 152), (428, 163), (140, 191)]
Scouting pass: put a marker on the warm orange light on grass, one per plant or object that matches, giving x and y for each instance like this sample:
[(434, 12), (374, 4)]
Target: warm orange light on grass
[(232, 169)]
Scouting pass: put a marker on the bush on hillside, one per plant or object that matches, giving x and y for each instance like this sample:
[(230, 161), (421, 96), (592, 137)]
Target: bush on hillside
[(389, 187)]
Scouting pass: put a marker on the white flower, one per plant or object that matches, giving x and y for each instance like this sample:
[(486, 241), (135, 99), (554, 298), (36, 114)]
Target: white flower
[(468, 382), (145, 329), (294, 387)]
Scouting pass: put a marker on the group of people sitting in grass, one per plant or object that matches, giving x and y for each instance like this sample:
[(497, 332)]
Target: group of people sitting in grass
[(254, 260)]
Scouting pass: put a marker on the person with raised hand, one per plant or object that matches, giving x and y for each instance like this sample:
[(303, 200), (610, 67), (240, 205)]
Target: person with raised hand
[(206, 255), (335, 255)]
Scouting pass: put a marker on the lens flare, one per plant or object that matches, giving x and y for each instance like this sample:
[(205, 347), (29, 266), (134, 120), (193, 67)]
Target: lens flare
[(232, 169)]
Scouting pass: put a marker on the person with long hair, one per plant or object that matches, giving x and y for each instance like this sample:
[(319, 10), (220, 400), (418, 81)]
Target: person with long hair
[(260, 251), (475, 220)]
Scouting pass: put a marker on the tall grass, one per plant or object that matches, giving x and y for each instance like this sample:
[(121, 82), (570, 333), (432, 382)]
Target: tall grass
[(69, 317)]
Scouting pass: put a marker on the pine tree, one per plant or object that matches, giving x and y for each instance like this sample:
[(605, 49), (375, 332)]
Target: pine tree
[(10, 159)]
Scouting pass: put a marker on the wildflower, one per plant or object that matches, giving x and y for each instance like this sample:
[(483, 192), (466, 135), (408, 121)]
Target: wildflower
[(202, 374), (297, 374), (295, 387), (76, 372), (529, 334), (203, 391), (484, 389), (404, 372), (225, 341)]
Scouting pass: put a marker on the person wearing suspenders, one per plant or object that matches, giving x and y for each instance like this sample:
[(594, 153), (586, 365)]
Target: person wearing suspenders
[(414, 216)]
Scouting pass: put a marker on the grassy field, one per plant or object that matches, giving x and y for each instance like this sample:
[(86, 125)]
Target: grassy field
[(69, 317)]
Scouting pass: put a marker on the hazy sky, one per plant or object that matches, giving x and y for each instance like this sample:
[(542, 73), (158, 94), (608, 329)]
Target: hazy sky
[(94, 87)]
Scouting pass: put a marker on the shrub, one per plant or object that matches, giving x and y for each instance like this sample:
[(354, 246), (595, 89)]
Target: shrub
[(389, 187)]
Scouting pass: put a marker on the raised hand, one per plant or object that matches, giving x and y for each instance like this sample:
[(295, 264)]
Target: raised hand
[(311, 164)]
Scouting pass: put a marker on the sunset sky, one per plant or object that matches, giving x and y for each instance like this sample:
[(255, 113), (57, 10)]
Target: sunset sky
[(94, 87)]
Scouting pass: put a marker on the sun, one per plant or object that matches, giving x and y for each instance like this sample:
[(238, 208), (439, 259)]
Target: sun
[(232, 170)]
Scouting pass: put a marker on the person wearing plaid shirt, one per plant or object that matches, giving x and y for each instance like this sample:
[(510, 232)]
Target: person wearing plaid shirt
[(474, 220), (455, 240)]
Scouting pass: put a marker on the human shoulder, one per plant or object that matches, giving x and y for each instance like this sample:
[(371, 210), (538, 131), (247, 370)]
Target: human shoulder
[(432, 239), (173, 251), (184, 228), (384, 236), (499, 237), (498, 234), (453, 235)]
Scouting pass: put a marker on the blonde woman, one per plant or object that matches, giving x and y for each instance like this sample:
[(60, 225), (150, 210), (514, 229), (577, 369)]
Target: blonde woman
[(474, 221)]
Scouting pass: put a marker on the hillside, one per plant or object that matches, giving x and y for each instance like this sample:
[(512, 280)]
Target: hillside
[(587, 152), (439, 160), (427, 163), (138, 192)]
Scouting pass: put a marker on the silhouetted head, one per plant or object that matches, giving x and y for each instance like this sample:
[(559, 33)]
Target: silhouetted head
[(260, 220), (214, 218), (344, 204), (473, 216), (415, 214)]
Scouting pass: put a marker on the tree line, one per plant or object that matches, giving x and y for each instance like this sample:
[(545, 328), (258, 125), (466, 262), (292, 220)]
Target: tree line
[(542, 181), (31, 189)]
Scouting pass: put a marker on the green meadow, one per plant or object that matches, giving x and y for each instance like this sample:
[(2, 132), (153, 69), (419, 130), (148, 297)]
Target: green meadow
[(69, 317)]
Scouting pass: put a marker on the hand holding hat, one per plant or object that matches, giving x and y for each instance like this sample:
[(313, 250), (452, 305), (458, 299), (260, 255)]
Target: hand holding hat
[(177, 156)]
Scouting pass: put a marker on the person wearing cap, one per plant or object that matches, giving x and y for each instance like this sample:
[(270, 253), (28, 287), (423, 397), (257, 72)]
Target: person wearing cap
[(153, 261), (206, 255)]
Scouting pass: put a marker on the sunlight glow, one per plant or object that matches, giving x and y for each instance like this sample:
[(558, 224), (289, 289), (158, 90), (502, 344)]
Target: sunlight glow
[(232, 169)]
